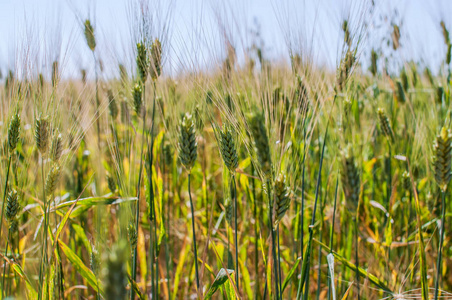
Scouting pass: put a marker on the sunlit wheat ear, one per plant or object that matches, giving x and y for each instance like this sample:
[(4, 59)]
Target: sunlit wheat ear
[(282, 199), (41, 81), (384, 124), (12, 205), (89, 35), (112, 105), (347, 38), (261, 143), (142, 61), (111, 183), (83, 75), (137, 95), (114, 273), (350, 180), (42, 134), (443, 158), (345, 68), (52, 180), (301, 96), (228, 148), (133, 236), (13, 132), (55, 73), (395, 37), (56, 148), (188, 145), (406, 181), (156, 59)]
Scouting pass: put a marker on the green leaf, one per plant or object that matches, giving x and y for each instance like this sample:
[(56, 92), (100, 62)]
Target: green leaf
[(30, 289), (179, 268), (93, 201), (221, 278), (82, 236), (79, 266), (372, 278), (230, 293), (290, 274)]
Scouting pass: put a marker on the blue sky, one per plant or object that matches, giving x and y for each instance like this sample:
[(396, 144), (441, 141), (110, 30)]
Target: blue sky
[(38, 32)]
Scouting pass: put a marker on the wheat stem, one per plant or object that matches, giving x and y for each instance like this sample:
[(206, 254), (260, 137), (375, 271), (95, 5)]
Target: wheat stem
[(194, 233), (441, 240), (4, 193), (356, 254), (137, 209), (235, 233), (4, 267), (44, 252)]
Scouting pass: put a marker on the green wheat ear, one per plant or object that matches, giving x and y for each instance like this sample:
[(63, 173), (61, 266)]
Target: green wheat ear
[(373, 62), (282, 199), (112, 105), (89, 35), (404, 80), (350, 180), (133, 236), (52, 180), (439, 94), (142, 61), (384, 124), (13, 132), (448, 53), (260, 142), (137, 95), (56, 148), (188, 145), (42, 133), (13, 226), (12, 205), (406, 180), (228, 148), (114, 273), (111, 183), (400, 92), (443, 158), (167, 154)]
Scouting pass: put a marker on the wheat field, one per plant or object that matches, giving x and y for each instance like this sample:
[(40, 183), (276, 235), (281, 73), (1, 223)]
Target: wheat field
[(252, 178)]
